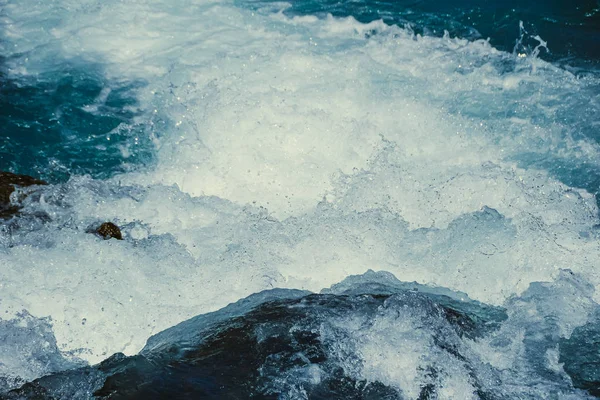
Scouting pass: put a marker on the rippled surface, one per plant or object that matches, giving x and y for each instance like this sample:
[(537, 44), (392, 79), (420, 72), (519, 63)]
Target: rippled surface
[(246, 147), (70, 122), (570, 27)]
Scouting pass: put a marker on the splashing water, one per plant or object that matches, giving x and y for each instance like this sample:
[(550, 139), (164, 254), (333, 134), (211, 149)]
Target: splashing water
[(252, 148)]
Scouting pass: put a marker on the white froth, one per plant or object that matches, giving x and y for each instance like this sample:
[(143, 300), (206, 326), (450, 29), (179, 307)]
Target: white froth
[(398, 348), (296, 152)]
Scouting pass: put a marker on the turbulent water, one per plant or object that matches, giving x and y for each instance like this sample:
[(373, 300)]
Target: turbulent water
[(285, 151)]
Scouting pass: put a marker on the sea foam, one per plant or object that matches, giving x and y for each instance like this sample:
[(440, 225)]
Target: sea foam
[(293, 152)]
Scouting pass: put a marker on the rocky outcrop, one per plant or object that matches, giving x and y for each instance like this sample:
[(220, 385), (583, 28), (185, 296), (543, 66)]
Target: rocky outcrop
[(8, 184), (283, 344), (109, 230), (580, 356)]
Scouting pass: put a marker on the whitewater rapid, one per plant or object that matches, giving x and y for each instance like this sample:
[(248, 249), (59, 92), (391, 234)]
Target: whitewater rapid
[(293, 152)]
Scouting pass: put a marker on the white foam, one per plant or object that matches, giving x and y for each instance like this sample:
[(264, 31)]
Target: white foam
[(28, 350), (543, 313), (397, 348), (364, 153), (410, 345)]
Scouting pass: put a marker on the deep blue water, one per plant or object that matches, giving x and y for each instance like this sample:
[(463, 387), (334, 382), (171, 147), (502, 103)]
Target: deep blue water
[(46, 130), (72, 120), (571, 28)]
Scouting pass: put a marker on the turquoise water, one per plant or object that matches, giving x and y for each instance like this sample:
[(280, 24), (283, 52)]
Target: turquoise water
[(571, 27), (66, 122), (275, 154)]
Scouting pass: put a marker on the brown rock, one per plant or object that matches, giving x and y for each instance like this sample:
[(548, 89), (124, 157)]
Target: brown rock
[(109, 230), (8, 183)]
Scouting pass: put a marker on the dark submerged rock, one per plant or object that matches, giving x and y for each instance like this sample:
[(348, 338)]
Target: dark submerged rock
[(279, 347), (581, 356), (109, 230), (8, 183)]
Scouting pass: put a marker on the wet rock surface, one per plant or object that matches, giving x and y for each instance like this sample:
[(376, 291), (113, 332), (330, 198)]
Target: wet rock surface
[(283, 348), (8, 184), (108, 230), (580, 355)]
